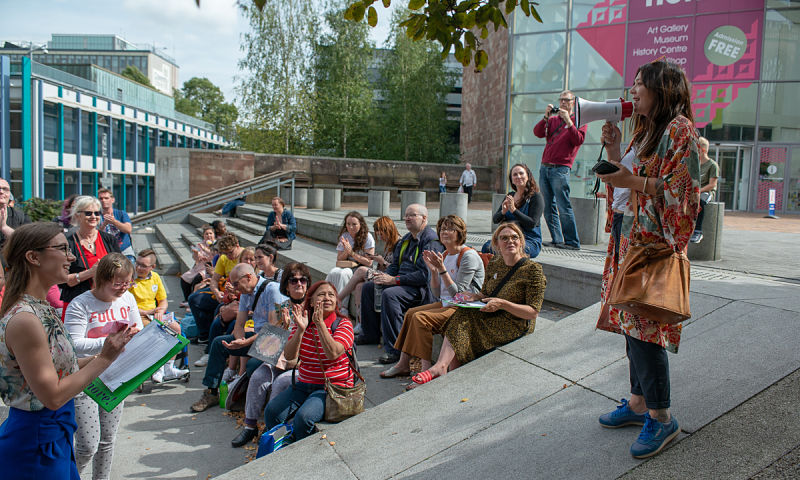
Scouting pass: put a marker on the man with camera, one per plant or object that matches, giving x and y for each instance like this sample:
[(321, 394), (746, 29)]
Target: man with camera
[(563, 141)]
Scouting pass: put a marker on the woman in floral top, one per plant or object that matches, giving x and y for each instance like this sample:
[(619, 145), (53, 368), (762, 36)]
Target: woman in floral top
[(39, 370), (666, 179)]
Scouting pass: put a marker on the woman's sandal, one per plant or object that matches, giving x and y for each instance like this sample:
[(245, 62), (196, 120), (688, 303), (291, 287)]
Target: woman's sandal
[(423, 377), (394, 372)]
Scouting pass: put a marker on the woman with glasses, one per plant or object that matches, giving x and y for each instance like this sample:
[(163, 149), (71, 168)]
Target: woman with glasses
[(267, 381), (151, 300), (39, 368), (88, 244), (90, 318), (524, 206), (512, 296), (459, 269), (319, 341)]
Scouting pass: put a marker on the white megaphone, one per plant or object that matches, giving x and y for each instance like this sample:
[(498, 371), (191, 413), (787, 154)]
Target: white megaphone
[(610, 110)]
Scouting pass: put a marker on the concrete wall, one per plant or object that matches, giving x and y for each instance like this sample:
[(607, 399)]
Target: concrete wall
[(483, 108), (172, 176)]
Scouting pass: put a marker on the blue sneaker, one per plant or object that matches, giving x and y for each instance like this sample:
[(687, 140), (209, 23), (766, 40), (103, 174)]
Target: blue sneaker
[(622, 417), (654, 437)]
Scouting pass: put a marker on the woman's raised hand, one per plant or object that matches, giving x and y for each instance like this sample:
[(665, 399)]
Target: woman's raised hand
[(318, 317), (348, 249), (286, 317), (300, 317)]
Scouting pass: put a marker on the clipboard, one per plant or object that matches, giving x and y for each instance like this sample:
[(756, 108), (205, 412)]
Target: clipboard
[(107, 399)]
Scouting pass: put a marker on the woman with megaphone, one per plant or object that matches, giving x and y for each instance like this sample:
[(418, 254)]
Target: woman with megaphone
[(664, 183)]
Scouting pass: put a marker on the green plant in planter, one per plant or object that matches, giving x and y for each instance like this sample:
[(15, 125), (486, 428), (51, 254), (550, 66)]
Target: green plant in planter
[(41, 209)]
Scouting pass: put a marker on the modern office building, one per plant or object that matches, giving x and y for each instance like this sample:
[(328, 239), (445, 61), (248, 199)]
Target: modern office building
[(740, 55), (111, 52), (61, 134)]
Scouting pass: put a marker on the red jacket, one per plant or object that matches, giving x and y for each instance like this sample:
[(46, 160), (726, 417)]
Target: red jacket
[(562, 142)]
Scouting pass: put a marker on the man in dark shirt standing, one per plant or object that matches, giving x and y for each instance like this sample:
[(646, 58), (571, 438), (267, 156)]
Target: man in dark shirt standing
[(404, 285), (10, 217), (563, 141)]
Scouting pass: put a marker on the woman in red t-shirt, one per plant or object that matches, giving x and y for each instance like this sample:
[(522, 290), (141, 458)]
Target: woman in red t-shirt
[(89, 245), (318, 348)]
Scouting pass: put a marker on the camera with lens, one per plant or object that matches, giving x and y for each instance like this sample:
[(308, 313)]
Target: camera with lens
[(553, 110)]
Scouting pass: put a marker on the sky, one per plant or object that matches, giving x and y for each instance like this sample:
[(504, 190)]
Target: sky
[(204, 41)]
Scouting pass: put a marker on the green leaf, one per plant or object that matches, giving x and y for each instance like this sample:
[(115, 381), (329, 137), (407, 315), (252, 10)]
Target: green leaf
[(387, 3), (526, 7), (415, 4), (348, 14), (470, 38), (372, 17), (259, 4), (358, 12), (481, 59), (484, 33), (510, 6), (536, 15)]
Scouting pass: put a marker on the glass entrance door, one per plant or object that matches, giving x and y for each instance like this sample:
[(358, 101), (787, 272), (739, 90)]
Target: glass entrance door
[(733, 186)]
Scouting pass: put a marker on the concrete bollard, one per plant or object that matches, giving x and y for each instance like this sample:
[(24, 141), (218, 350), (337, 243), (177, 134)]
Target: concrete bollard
[(497, 202), (300, 195), (710, 248), (453, 204), (331, 199), (407, 197), (378, 203), (314, 198), (590, 218)]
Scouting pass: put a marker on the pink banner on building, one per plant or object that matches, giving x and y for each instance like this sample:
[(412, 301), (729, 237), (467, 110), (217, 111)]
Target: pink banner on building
[(647, 41), (711, 39)]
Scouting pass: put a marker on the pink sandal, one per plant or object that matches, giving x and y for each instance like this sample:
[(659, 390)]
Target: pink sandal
[(423, 377)]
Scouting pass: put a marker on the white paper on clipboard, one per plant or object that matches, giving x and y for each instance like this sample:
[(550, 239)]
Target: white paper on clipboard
[(145, 349)]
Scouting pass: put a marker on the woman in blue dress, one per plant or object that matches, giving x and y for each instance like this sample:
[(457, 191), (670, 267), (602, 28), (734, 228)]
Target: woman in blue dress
[(523, 206), (40, 373)]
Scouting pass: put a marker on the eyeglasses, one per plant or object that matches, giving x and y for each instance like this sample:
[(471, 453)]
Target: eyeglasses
[(412, 215), (64, 248), (299, 280), (508, 238), (5, 189), (121, 284), (565, 99), (89, 213), (142, 265), (447, 229)]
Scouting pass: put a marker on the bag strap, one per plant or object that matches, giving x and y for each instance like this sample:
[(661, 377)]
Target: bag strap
[(79, 249), (460, 254), (258, 293), (350, 358), (511, 272)]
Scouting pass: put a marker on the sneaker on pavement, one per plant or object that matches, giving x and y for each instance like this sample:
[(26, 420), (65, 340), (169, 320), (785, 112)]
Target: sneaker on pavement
[(621, 417), (158, 375), (171, 372), (564, 246), (654, 437), (228, 375), (207, 400), (696, 237), (202, 362)]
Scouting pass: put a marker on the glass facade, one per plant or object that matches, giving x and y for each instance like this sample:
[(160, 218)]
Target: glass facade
[(744, 95)]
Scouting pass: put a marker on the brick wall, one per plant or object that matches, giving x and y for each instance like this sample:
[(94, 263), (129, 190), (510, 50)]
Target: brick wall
[(483, 105)]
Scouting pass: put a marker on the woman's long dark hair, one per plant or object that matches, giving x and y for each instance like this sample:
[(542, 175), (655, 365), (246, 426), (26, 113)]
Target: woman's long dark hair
[(531, 187), (361, 237), (671, 97), (32, 236)]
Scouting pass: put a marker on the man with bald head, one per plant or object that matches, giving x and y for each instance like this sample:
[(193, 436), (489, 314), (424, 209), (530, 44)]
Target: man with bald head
[(250, 286), (10, 217), (404, 285)]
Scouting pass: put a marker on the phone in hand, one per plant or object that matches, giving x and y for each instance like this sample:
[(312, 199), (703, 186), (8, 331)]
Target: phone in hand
[(604, 167)]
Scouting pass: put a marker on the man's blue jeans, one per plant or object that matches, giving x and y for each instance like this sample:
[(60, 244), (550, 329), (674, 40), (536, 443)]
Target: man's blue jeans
[(218, 356), (218, 327), (554, 183), (203, 306), (307, 399)]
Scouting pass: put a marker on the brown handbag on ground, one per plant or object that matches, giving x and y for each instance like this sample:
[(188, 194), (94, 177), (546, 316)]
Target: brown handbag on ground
[(652, 282), (343, 402)]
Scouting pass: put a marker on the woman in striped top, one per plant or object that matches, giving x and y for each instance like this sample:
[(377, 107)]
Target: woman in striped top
[(320, 338)]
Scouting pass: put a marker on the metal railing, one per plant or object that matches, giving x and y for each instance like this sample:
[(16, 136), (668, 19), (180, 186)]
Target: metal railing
[(217, 197)]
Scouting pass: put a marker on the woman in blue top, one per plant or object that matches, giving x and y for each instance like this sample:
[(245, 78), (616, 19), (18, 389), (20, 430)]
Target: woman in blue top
[(523, 206), (281, 226)]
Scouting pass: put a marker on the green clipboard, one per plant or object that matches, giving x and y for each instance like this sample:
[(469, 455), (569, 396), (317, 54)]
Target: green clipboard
[(108, 400)]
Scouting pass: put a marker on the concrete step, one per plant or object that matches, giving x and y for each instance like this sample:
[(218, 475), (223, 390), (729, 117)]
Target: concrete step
[(172, 236), (246, 225), (166, 261)]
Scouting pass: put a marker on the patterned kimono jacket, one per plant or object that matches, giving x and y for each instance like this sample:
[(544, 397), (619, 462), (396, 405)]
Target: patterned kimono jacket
[(669, 219)]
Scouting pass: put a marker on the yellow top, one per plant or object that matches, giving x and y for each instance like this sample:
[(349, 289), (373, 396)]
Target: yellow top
[(148, 292), (224, 266)]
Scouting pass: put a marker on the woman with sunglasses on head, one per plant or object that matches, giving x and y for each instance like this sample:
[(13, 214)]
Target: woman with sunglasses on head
[(88, 244), (267, 381), (664, 188), (321, 353), (513, 293), (90, 318), (39, 368)]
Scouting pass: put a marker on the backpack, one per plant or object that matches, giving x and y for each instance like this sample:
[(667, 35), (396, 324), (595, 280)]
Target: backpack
[(485, 257)]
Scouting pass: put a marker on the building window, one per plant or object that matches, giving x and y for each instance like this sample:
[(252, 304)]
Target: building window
[(539, 62), (50, 127), (15, 123), (779, 112), (552, 12), (130, 137), (587, 69), (87, 135), (781, 45), (69, 130), (116, 144)]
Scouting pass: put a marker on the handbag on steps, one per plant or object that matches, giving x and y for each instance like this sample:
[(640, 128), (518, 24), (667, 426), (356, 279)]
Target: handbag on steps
[(653, 281)]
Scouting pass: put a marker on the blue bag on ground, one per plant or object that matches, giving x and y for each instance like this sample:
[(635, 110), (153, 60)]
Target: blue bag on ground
[(188, 326), (274, 439)]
